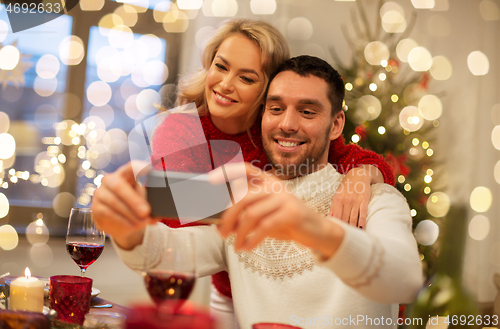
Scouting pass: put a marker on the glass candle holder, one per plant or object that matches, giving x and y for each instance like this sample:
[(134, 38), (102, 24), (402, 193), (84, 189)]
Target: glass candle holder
[(70, 297)]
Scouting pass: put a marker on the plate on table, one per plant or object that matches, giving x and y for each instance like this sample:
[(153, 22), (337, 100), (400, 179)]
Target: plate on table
[(46, 283)]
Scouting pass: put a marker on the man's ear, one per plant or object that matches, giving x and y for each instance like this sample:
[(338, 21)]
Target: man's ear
[(338, 122)]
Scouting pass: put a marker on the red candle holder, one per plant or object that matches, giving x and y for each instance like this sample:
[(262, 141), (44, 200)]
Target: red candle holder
[(70, 297)]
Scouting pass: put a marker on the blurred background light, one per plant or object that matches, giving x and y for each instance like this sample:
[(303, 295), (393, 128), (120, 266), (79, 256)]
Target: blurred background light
[(489, 10), (404, 47), (426, 232), (128, 15), (263, 7), (45, 87), (480, 199), (4, 205), (376, 52), (430, 107), (98, 93), (155, 72), (224, 8), (9, 57), (495, 114), (438, 204), (423, 4), (410, 118), (368, 108), (91, 5), (441, 68), (107, 22), (41, 255), (47, 66), (496, 172), (62, 204), (203, 35), (148, 101), (393, 18), (479, 227), (71, 50), (300, 28), (420, 59), (495, 137), (8, 237), (37, 232), (478, 63), (8, 146), (120, 36), (4, 30), (189, 4), (104, 112), (4, 122)]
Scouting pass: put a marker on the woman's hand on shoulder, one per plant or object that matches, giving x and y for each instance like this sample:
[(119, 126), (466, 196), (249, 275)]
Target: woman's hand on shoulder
[(350, 201)]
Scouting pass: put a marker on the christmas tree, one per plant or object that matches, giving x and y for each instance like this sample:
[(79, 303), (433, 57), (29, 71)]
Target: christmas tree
[(388, 109)]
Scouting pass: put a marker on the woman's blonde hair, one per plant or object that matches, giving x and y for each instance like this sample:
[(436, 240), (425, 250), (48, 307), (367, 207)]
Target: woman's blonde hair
[(273, 47)]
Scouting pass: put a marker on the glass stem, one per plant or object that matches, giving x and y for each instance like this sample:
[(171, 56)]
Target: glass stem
[(83, 272)]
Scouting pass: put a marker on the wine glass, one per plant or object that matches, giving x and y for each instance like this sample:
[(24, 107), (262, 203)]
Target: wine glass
[(174, 277), (84, 242)]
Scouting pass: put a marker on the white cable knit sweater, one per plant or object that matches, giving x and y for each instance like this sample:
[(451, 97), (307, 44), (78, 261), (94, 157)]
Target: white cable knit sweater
[(281, 281)]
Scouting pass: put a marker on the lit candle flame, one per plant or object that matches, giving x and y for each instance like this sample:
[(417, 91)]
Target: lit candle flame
[(27, 273)]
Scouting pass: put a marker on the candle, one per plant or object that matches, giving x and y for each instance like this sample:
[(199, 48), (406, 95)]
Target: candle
[(26, 293)]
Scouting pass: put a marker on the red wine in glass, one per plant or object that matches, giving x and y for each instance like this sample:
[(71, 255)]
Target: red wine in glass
[(174, 277), (84, 242), (84, 254), (167, 285)]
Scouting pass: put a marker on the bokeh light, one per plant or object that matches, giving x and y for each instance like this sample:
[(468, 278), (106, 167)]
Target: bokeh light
[(118, 141), (4, 30), (71, 50), (430, 107), (155, 72), (420, 59), (47, 66), (411, 119), (189, 4), (128, 15), (224, 8), (8, 237), (441, 68), (37, 232), (438, 204), (393, 18), (41, 255), (489, 10), (160, 10), (4, 122), (480, 199), (91, 5), (99, 156), (203, 35), (154, 44), (478, 63), (368, 108), (45, 87), (98, 93), (404, 47), (105, 112), (496, 172), (4, 205), (8, 144), (107, 22), (131, 108), (263, 7), (9, 57), (300, 28), (376, 52), (120, 37), (11, 93), (426, 232), (62, 204), (495, 137), (479, 227), (148, 101), (423, 4)]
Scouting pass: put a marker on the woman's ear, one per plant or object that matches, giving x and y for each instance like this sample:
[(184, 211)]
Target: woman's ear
[(338, 122)]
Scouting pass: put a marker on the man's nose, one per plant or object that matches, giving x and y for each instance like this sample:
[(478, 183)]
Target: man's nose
[(289, 121)]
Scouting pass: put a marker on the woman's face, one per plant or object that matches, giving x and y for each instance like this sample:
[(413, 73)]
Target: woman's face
[(234, 82)]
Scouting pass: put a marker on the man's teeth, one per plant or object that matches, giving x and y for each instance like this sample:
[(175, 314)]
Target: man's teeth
[(222, 98), (288, 144)]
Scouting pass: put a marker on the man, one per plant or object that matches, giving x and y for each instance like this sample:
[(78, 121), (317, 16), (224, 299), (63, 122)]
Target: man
[(287, 262)]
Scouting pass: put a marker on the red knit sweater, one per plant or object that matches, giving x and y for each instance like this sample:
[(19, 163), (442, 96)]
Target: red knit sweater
[(180, 144)]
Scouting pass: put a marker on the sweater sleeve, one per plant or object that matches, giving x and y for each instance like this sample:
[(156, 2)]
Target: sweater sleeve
[(382, 262), (210, 254), (346, 157)]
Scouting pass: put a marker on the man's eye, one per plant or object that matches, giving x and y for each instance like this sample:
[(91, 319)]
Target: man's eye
[(274, 109), (306, 112)]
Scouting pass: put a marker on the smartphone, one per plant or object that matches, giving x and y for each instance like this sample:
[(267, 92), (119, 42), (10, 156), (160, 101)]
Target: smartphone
[(187, 196)]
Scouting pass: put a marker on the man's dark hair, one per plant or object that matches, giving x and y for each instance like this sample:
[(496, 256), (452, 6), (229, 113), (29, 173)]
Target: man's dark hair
[(308, 65)]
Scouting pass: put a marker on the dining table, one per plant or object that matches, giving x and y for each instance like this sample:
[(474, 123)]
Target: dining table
[(95, 303)]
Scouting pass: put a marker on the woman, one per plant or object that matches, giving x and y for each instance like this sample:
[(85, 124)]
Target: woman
[(228, 92)]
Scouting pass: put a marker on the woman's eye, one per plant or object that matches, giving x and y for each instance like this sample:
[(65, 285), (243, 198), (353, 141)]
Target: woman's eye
[(220, 66), (247, 80)]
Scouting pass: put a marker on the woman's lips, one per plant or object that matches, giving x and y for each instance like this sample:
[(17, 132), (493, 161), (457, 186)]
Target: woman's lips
[(223, 100)]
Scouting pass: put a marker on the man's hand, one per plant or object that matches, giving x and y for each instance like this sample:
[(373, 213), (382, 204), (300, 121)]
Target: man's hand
[(120, 208), (350, 202), (268, 210)]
